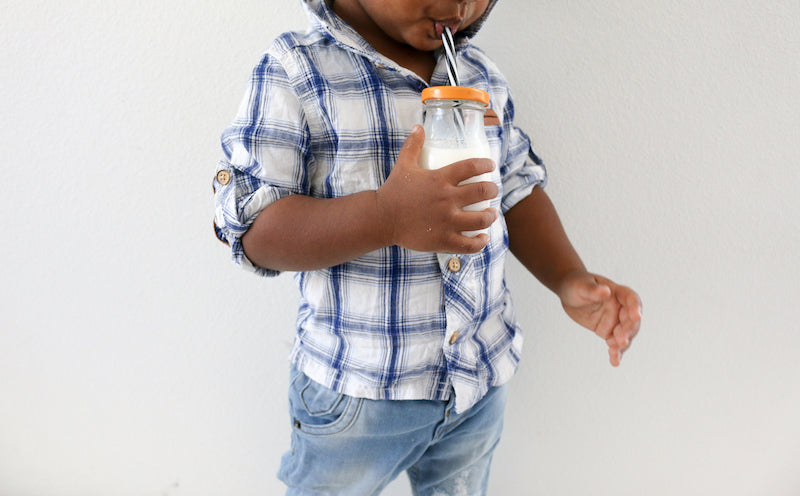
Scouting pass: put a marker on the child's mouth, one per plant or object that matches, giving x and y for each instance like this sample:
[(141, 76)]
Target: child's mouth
[(439, 26)]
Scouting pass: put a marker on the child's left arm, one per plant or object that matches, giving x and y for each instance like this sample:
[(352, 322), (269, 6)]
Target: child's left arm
[(538, 240)]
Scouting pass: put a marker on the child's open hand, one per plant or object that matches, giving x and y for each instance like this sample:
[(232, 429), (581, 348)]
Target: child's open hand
[(612, 311), (423, 209)]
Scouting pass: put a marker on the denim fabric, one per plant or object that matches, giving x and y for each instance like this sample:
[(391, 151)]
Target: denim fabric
[(347, 446)]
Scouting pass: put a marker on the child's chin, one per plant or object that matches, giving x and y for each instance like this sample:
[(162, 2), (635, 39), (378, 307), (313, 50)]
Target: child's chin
[(426, 45)]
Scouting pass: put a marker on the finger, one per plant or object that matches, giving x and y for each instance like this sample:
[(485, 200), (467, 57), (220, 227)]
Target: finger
[(585, 291), (458, 243), (614, 352), (630, 301), (630, 315), (472, 193), (596, 292), (633, 305), (466, 220), (622, 337), (467, 169), (615, 356), (629, 326), (589, 290), (609, 319), (412, 146)]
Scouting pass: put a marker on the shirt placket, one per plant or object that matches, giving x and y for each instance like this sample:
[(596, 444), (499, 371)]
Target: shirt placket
[(461, 294)]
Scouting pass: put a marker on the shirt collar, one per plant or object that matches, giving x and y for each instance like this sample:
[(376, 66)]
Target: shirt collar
[(333, 27)]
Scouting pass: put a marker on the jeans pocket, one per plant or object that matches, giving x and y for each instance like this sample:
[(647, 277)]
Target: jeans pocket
[(317, 410)]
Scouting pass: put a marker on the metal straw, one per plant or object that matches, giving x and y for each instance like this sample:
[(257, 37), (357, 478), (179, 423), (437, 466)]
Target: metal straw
[(452, 74), (450, 56)]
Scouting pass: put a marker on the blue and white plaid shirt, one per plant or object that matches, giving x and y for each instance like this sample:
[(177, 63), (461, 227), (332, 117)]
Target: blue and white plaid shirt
[(325, 115)]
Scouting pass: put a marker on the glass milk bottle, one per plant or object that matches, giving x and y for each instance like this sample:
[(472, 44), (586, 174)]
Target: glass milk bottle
[(453, 122)]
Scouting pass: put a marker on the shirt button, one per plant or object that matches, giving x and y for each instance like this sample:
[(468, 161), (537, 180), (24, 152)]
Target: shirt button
[(224, 177), (454, 264), (454, 337)]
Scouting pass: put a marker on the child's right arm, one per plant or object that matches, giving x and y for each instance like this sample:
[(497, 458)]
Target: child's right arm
[(415, 208)]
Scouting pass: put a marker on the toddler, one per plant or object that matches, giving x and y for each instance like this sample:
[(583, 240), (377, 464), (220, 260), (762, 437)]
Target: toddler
[(406, 334)]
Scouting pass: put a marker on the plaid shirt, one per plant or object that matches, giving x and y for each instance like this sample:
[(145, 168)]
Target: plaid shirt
[(325, 115)]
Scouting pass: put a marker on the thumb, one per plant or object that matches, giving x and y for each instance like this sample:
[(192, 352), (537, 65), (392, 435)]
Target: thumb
[(595, 291), (412, 147)]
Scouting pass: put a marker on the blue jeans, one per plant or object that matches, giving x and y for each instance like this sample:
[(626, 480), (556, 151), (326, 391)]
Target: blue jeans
[(346, 446)]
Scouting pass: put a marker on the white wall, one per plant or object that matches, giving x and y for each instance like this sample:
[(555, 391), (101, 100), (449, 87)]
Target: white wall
[(136, 360)]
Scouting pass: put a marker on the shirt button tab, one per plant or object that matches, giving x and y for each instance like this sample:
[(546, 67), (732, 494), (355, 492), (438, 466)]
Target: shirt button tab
[(454, 337), (454, 264)]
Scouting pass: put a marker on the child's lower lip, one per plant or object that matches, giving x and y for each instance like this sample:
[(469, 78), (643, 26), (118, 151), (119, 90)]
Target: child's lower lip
[(439, 27)]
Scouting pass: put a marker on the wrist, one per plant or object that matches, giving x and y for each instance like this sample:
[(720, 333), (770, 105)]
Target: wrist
[(384, 219), (564, 282)]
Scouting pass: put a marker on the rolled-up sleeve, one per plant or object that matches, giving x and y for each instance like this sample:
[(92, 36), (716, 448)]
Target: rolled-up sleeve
[(267, 157), (522, 169)]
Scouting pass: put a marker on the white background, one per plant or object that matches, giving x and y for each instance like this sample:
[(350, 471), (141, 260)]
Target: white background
[(135, 359)]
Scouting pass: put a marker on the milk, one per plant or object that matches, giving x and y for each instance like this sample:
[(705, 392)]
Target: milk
[(434, 157)]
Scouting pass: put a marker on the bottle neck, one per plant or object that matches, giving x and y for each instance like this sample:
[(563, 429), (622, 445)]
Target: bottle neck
[(453, 123)]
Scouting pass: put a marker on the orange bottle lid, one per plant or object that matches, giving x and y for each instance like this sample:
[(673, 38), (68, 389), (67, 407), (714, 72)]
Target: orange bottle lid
[(455, 93)]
